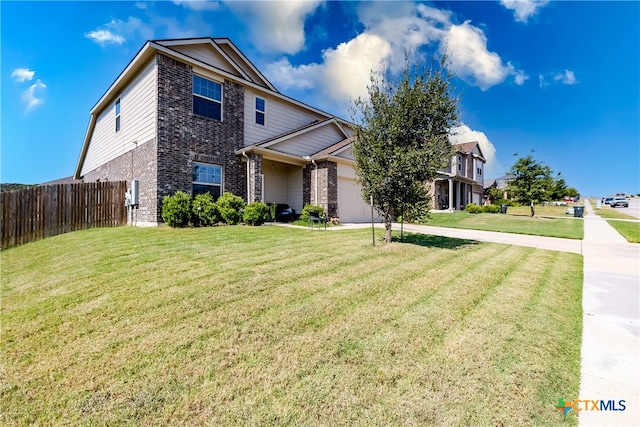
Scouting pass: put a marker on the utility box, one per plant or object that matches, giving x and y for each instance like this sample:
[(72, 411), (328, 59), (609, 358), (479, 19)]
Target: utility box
[(135, 188)]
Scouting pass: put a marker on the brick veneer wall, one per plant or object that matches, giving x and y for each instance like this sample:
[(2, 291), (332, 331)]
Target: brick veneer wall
[(184, 137), (327, 186), (140, 164)]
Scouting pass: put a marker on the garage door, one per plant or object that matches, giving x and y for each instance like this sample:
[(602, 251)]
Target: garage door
[(351, 207)]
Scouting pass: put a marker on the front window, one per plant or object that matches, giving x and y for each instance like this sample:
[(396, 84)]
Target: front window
[(118, 115), (260, 111), (207, 179), (207, 98)]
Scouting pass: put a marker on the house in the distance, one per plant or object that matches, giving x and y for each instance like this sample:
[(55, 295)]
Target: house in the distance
[(196, 115), (462, 182)]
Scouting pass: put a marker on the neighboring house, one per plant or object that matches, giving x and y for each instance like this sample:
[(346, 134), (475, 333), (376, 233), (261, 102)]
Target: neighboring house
[(196, 115), (501, 183), (462, 183)]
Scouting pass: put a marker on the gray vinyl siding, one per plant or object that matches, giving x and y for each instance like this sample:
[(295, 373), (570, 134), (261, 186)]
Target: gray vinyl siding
[(207, 54), (137, 121), (280, 117), (294, 188), (238, 60), (310, 142)]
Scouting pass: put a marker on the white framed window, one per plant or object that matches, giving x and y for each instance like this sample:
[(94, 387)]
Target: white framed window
[(207, 98), (207, 178), (118, 115), (459, 163), (261, 109)]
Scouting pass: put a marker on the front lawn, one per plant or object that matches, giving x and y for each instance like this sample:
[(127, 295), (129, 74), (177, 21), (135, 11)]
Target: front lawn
[(285, 326), (515, 221), (630, 230)]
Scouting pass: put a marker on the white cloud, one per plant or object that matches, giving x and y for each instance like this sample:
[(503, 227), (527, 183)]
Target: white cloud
[(567, 78), (523, 9), (464, 133), (391, 29), (22, 74), (198, 5), (118, 31), (466, 47), (105, 37), (276, 26), (33, 96)]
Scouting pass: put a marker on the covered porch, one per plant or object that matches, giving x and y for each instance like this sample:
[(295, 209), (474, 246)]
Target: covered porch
[(455, 194)]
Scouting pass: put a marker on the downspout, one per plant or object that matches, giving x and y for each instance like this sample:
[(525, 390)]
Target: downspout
[(244, 154)]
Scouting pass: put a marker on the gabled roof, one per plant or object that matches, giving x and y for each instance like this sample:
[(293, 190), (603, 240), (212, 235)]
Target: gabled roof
[(285, 144), (467, 148), (244, 72), (225, 48), (336, 148)]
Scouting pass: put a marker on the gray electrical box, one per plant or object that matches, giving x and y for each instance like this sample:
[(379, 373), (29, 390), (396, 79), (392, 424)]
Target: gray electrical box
[(135, 186)]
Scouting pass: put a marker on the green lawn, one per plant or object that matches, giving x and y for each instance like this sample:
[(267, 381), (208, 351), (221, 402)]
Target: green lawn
[(628, 229), (616, 213), (517, 220), (285, 326)]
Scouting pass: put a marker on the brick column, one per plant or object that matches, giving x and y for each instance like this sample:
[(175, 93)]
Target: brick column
[(255, 178)]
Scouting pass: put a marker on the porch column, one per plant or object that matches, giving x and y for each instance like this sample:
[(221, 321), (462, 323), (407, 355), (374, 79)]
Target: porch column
[(254, 192), (450, 194)]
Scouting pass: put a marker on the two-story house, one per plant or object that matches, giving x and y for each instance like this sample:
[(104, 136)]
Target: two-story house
[(462, 182), (196, 115)]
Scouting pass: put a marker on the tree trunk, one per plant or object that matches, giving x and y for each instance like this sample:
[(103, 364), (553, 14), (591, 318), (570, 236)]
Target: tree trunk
[(387, 226), (533, 211)]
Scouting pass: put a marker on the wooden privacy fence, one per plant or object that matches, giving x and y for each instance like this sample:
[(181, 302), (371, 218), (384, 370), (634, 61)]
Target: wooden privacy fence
[(40, 212)]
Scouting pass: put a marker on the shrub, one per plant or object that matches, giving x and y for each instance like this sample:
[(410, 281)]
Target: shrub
[(205, 211), (491, 208), (473, 208), (230, 207), (176, 209), (256, 213), (272, 212), (308, 209)]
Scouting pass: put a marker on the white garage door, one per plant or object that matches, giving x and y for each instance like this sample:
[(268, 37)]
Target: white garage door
[(351, 207)]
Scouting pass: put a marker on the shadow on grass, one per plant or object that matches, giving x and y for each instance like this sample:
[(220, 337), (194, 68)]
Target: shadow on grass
[(434, 241)]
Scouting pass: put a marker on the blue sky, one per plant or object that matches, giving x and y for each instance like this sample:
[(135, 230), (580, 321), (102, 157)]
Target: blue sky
[(560, 78)]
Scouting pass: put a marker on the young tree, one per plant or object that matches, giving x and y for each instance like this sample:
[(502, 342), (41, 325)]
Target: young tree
[(401, 134), (532, 181)]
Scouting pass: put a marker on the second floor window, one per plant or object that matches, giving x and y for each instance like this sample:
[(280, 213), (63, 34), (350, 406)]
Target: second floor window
[(260, 110), (479, 171), (118, 115), (459, 163), (207, 98)]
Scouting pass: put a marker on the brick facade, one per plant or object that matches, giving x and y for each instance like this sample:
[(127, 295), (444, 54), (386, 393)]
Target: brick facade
[(327, 181), (139, 163), (184, 137), (255, 178)]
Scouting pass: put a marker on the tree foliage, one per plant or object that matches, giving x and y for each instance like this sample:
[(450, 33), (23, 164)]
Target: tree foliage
[(401, 131), (532, 182)]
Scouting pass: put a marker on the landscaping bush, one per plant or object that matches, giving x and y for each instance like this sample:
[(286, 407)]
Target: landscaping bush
[(256, 213), (473, 208), (205, 211), (230, 207), (176, 209), (272, 212), (308, 209), (491, 209)]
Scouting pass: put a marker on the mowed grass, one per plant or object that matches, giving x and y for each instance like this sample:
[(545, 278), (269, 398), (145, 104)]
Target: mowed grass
[(517, 220), (283, 326), (630, 230)]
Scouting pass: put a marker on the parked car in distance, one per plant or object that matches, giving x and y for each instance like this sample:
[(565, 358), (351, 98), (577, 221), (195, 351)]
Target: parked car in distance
[(607, 200), (619, 202)]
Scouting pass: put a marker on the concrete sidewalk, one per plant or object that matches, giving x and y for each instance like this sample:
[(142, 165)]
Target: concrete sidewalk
[(611, 324)]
